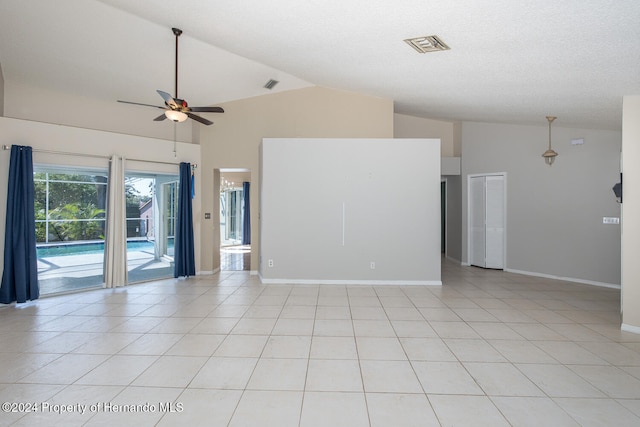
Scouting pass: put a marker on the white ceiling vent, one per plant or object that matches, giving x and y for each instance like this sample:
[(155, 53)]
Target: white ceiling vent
[(426, 44)]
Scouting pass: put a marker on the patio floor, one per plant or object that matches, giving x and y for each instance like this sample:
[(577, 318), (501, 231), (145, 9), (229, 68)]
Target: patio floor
[(67, 273)]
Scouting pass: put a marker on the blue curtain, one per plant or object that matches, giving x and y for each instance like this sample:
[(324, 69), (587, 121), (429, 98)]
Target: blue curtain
[(246, 218), (20, 275), (184, 256)]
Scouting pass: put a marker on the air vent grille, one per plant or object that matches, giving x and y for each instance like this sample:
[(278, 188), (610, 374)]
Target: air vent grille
[(270, 84), (426, 44)]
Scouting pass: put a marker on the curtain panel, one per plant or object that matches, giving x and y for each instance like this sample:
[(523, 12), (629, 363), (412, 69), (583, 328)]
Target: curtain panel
[(115, 245), (20, 274), (184, 257), (246, 219)]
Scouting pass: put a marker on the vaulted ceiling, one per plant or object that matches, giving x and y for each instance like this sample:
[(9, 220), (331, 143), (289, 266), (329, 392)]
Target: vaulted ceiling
[(510, 61)]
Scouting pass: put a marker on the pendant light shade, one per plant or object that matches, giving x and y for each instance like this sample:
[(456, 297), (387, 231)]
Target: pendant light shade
[(176, 116), (550, 155)]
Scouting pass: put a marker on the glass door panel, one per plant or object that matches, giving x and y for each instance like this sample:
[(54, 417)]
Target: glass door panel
[(151, 206), (231, 210), (70, 227)]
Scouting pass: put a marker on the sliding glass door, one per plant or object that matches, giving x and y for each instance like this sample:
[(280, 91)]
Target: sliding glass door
[(231, 214), (151, 214), (70, 227), (70, 212)]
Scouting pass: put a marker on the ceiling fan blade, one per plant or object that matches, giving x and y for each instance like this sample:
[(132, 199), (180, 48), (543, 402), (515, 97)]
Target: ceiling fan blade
[(206, 109), (168, 99), (145, 105), (199, 119), (160, 118)]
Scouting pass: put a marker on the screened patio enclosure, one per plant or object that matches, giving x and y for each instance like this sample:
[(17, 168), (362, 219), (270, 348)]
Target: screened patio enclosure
[(70, 211)]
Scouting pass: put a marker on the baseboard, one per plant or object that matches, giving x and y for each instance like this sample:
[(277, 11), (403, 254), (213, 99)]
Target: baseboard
[(352, 282), (629, 328), (566, 279), (204, 273), (253, 272)]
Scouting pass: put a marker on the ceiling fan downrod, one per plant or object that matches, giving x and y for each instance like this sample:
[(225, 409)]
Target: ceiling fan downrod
[(177, 33)]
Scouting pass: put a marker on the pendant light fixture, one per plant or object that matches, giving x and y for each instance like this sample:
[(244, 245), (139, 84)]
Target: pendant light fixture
[(550, 155), (175, 115)]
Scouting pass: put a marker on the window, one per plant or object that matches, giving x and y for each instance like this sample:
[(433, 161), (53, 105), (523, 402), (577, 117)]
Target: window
[(70, 228)]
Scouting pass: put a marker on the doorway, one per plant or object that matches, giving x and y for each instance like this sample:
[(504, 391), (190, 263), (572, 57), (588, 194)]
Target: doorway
[(235, 216), (152, 203)]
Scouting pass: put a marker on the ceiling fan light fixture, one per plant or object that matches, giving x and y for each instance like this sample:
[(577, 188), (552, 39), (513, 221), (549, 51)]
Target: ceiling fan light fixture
[(176, 116), (176, 109)]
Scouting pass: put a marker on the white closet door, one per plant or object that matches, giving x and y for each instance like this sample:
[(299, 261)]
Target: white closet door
[(477, 221), (494, 222)]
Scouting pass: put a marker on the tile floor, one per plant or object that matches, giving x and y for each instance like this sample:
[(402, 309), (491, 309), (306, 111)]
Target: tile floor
[(235, 257), (487, 348)]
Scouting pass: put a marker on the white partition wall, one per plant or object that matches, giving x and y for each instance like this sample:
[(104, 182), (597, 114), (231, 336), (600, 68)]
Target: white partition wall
[(631, 214), (350, 211)]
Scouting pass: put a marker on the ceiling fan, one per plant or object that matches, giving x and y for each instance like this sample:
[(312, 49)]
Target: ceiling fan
[(177, 109)]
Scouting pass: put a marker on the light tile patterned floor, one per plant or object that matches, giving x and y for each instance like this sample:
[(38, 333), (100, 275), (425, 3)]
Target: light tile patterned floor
[(488, 348)]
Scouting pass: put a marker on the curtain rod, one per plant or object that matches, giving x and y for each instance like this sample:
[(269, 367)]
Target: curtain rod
[(65, 153), (193, 165), (35, 150)]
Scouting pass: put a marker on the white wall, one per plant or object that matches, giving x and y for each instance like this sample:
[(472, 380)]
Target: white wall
[(449, 133), (405, 126), (330, 207), (44, 105), (233, 143), (43, 136), (554, 214), (631, 214), (1, 92)]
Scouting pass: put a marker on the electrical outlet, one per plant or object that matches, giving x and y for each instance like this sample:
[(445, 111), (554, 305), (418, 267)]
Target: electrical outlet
[(270, 263), (372, 265)]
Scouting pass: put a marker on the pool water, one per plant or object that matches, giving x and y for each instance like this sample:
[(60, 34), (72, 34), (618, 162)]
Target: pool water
[(93, 248)]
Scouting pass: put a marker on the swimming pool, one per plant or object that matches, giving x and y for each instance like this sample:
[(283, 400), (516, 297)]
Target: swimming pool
[(91, 248)]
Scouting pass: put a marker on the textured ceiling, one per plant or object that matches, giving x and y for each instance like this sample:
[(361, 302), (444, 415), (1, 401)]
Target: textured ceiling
[(510, 61)]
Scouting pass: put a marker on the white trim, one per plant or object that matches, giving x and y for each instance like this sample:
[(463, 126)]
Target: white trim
[(446, 211), (253, 272), (352, 282), (205, 273), (231, 170), (566, 279), (629, 328)]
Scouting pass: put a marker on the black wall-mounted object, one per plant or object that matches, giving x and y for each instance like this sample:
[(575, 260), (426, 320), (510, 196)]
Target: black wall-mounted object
[(617, 190)]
